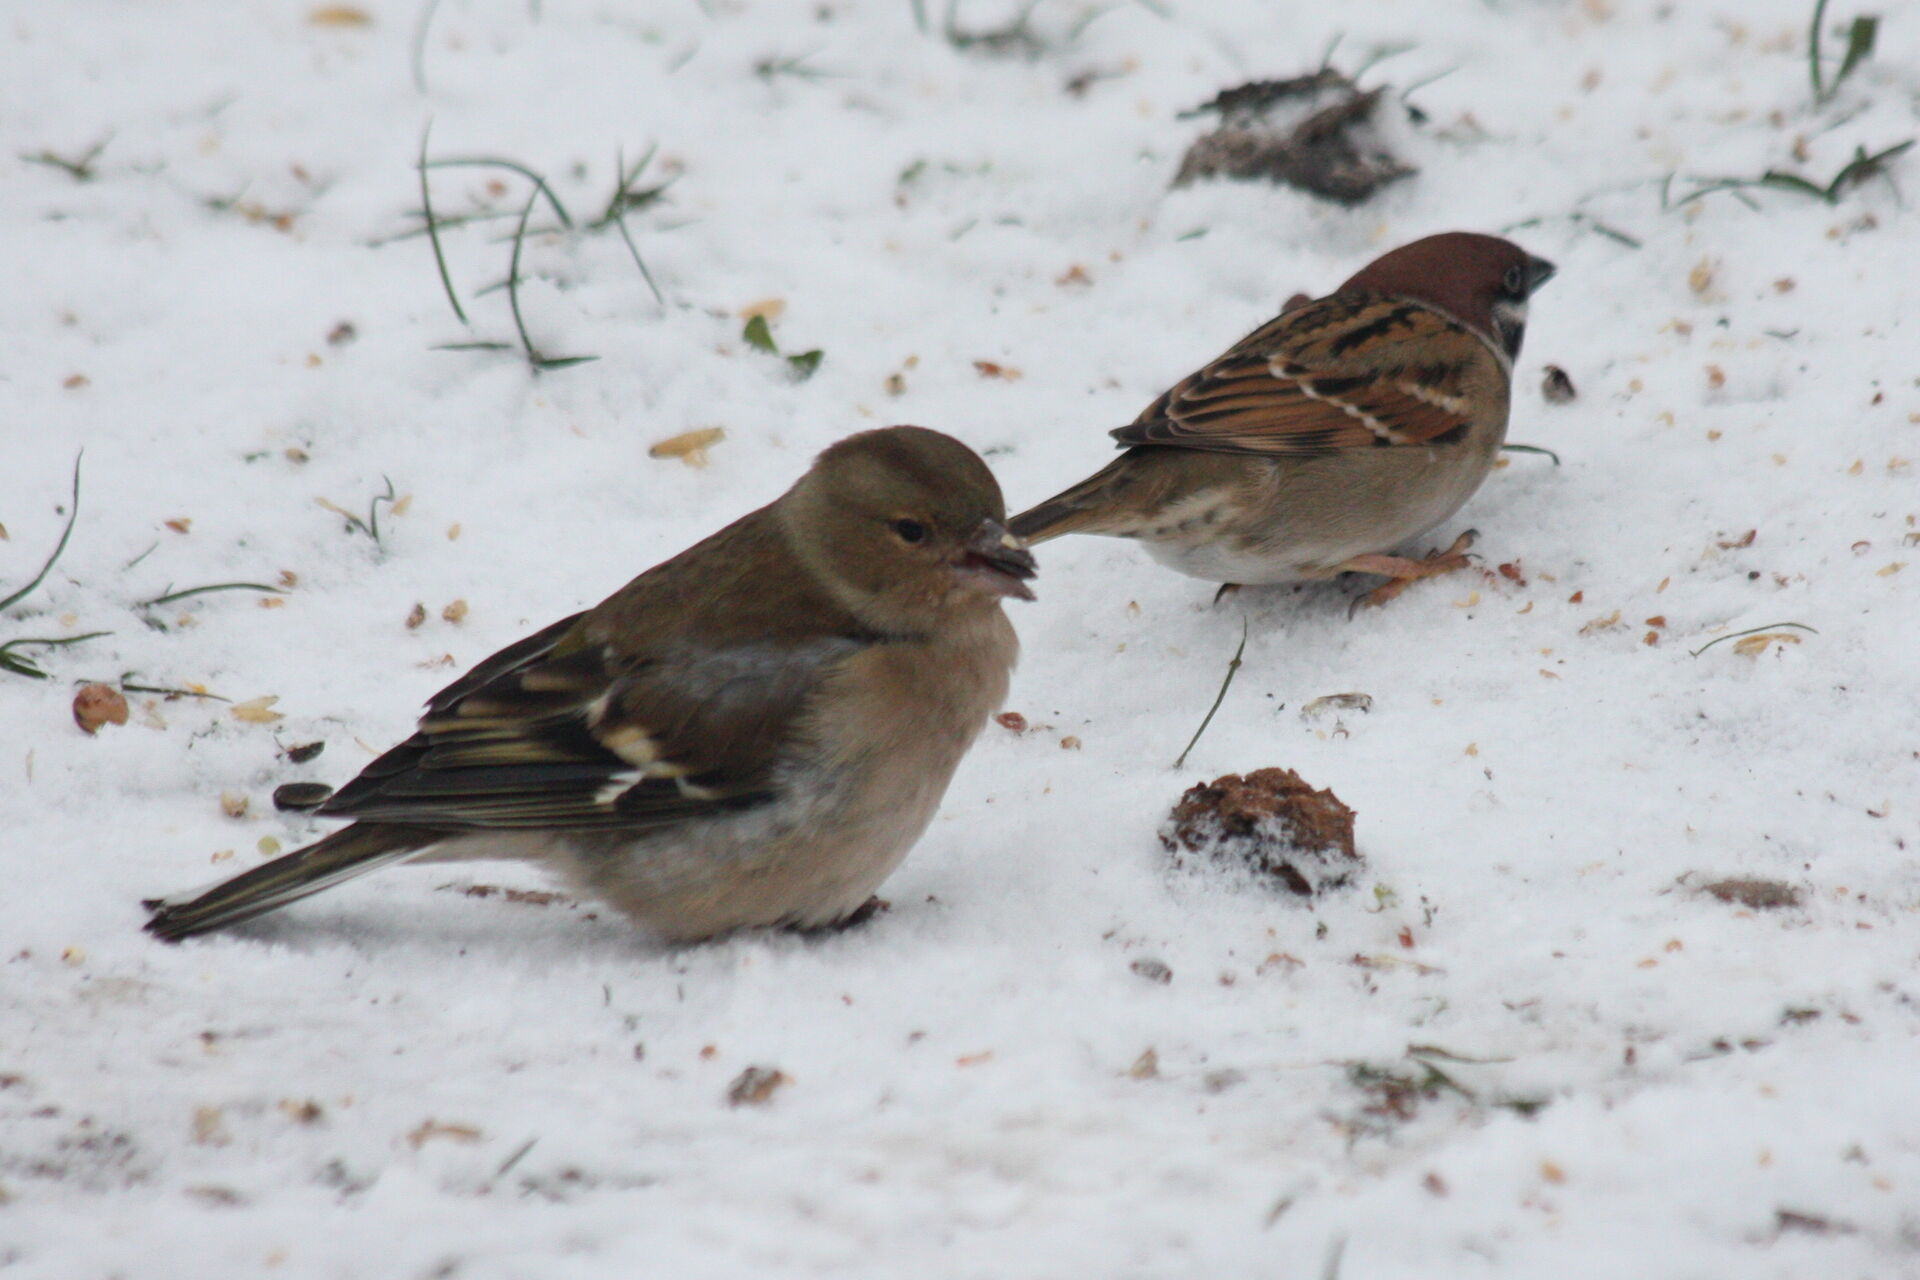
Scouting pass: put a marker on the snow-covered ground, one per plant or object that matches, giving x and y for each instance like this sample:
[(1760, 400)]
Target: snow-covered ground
[(414, 1076)]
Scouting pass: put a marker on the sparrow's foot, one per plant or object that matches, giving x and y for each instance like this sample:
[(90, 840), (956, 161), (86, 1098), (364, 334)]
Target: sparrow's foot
[(1403, 572)]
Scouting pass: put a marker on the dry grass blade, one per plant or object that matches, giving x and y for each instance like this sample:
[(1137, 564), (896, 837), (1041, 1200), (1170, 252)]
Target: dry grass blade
[(1751, 631), (1232, 667)]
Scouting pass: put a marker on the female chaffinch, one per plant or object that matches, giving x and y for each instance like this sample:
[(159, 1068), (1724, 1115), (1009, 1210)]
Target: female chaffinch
[(752, 733)]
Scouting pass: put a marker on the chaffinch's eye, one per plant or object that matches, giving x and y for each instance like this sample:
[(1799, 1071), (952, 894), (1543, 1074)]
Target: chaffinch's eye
[(910, 530)]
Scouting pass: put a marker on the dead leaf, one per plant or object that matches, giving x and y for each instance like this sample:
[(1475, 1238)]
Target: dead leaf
[(431, 1129), (95, 705), (257, 710), (455, 612), (1700, 279), (766, 309), (689, 446), (340, 15), (988, 369), (1752, 646)]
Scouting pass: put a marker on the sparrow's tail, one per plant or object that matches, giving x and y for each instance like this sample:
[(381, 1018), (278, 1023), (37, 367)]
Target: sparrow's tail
[(1085, 508), (358, 849)]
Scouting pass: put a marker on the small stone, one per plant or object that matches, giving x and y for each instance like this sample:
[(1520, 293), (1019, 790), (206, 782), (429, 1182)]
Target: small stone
[(233, 803), (1556, 387)]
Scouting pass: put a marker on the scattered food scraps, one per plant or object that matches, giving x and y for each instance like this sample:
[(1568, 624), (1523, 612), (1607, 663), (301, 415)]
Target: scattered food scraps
[(689, 446), (95, 705), (755, 1086), (257, 710), (1153, 970), (1318, 707), (1315, 132), (1756, 894), (430, 1129), (297, 797), (1556, 387), (1270, 822)]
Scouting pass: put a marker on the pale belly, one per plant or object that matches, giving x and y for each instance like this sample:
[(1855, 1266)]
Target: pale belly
[(1300, 520)]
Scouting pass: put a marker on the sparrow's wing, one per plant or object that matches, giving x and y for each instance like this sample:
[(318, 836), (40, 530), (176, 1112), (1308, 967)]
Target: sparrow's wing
[(1341, 373), (591, 725)]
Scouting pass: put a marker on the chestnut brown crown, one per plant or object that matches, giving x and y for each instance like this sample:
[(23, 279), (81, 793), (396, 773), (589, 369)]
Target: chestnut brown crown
[(1482, 281)]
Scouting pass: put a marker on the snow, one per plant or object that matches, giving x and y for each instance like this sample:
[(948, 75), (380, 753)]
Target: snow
[(401, 1079)]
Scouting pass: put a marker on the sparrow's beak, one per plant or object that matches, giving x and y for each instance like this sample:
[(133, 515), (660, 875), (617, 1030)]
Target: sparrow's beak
[(1539, 271), (996, 562)]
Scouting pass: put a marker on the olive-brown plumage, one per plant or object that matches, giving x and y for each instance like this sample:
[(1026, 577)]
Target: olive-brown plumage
[(751, 733), (1333, 433)]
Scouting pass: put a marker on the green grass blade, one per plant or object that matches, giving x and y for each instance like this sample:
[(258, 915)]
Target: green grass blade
[(73, 514)]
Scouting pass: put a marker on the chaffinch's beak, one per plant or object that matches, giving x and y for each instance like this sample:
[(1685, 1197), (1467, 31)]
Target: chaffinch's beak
[(996, 562), (1539, 271)]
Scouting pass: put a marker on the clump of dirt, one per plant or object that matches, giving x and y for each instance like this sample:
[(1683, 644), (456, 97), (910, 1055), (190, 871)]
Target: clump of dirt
[(1756, 894), (1316, 132), (1271, 822)]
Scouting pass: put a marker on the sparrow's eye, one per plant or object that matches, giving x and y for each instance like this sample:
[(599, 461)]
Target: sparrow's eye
[(1515, 282), (910, 530)]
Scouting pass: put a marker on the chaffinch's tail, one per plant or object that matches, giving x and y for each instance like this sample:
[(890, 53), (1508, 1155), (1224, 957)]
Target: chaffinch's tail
[(360, 848)]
